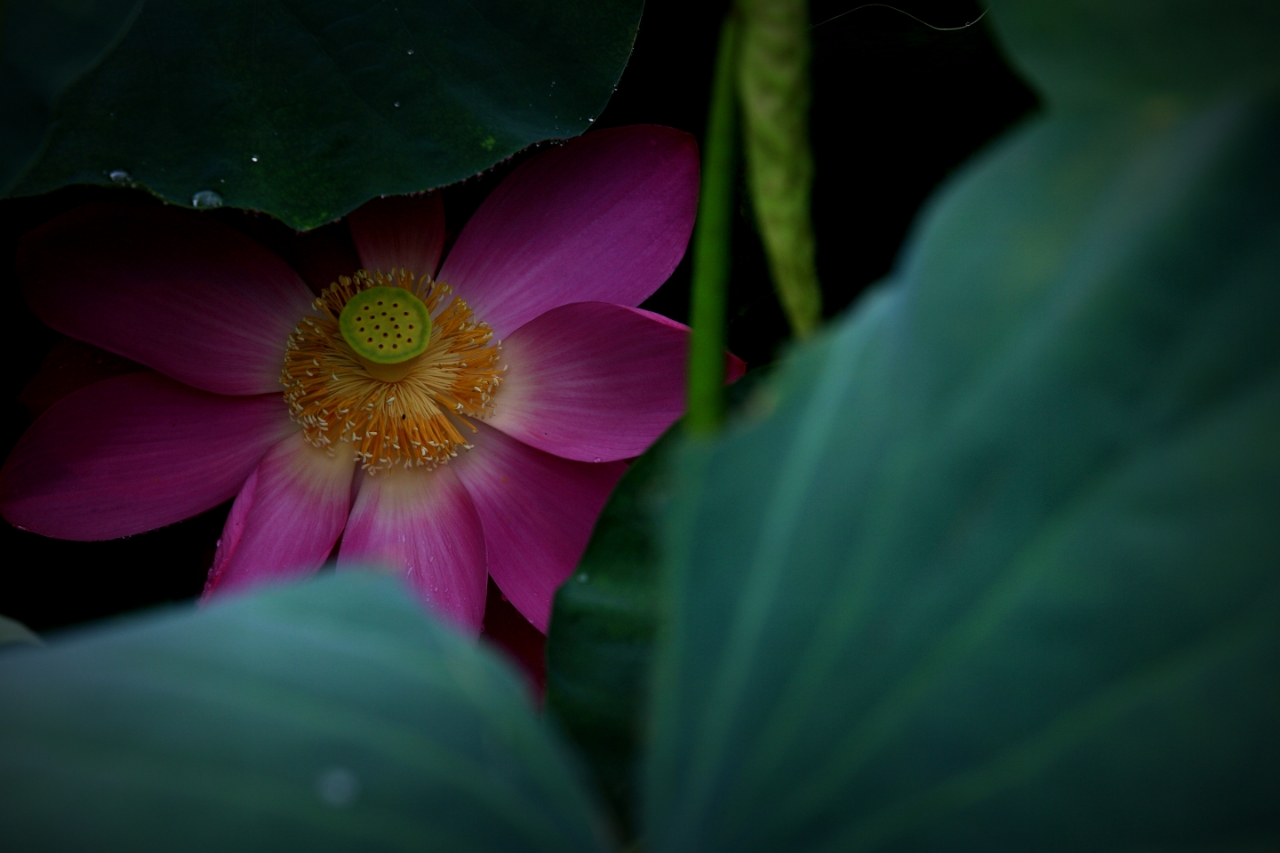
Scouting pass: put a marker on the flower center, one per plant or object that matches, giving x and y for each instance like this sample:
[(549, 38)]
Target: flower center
[(386, 327), (393, 367)]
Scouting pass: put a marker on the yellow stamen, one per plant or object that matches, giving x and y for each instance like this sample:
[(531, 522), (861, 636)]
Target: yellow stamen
[(409, 413)]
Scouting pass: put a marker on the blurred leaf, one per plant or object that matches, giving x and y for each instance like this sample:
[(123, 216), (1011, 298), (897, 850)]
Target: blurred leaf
[(306, 108), (999, 573), (44, 46), (1090, 53), (12, 631), (600, 645), (773, 85), (602, 629), (329, 716)]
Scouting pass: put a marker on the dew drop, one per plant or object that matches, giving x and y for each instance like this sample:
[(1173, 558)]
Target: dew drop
[(119, 176), (410, 51), (206, 198), (254, 158), (597, 459), (337, 786), (396, 105)]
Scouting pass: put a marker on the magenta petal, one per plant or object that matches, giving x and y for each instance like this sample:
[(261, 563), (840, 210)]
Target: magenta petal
[(400, 232), (605, 217), (592, 381), (232, 530), (134, 453), (537, 510), (422, 525), (287, 518), (734, 367), (172, 289)]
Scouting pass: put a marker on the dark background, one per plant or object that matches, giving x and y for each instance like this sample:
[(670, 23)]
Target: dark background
[(897, 106)]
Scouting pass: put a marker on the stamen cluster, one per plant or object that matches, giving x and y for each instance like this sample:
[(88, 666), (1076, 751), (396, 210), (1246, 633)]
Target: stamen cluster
[(416, 420)]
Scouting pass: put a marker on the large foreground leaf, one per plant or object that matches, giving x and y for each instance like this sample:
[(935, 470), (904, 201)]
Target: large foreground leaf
[(600, 644), (601, 638), (999, 572), (306, 108), (333, 716), (45, 45), (1098, 53)]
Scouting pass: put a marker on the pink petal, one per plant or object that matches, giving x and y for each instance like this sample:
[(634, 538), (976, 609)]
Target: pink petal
[(537, 510), (592, 381), (172, 289), (734, 367), (286, 519), (400, 232), (422, 524), (134, 453), (606, 217), (232, 530)]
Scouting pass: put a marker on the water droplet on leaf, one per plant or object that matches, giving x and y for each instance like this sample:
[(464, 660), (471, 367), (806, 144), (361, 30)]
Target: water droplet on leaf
[(254, 158), (119, 176), (206, 198), (338, 786), (396, 105)]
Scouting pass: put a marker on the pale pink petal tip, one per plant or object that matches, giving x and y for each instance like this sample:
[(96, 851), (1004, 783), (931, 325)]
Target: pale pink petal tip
[(286, 519), (421, 525), (400, 232), (171, 289), (605, 217), (537, 510), (133, 453)]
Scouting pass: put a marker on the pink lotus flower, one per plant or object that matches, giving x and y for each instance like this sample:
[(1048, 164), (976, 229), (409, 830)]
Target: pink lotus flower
[(487, 447)]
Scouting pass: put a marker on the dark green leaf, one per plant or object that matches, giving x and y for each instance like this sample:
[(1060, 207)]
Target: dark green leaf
[(306, 108), (602, 630), (1100, 52), (999, 572), (331, 716), (44, 46)]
